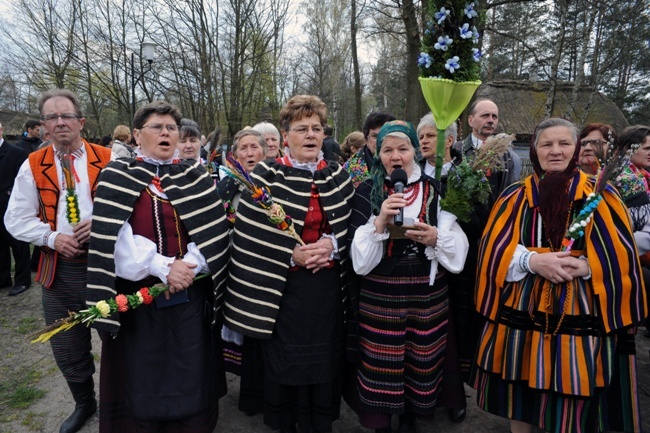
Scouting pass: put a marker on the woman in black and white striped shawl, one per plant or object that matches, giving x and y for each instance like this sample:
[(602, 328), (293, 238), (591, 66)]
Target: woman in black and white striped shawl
[(292, 297), (155, 219)]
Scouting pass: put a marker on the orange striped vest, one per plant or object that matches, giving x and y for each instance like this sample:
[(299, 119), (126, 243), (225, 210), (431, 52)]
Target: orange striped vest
[(43, 169)]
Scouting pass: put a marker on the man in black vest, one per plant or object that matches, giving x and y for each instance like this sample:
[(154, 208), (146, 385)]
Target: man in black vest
[(11, 158)]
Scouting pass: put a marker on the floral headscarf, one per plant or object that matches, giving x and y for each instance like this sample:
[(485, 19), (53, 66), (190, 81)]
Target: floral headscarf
[(378, 171)]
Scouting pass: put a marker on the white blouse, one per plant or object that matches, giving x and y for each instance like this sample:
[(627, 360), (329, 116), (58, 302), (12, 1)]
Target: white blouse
[(137, 257), (450, 251)]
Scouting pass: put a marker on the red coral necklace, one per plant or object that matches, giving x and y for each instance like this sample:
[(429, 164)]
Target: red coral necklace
[(410, 193)]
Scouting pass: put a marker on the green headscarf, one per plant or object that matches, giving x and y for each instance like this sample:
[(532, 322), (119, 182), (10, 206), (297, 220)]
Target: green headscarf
[(378, 171)]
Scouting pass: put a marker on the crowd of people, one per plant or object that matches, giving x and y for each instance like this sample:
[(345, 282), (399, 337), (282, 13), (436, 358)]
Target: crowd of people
[(381, 297)]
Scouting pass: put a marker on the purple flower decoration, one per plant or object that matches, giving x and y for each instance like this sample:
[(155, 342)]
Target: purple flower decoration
[(476, 54)]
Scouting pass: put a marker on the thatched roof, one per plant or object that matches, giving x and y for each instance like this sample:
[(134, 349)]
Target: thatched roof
[(522, 104), (13, 122)]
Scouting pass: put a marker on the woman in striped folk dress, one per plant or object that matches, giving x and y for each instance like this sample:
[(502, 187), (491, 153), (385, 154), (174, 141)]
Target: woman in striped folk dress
[(289, 296), (403, 302), (557, 348), (157, 219)]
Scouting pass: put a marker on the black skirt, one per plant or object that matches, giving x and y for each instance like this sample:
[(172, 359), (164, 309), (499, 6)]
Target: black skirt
[(302, 360), (164, 366)]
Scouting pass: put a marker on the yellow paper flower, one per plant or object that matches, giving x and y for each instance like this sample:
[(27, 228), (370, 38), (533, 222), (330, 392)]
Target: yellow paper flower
[(71, 199), (103, 308)]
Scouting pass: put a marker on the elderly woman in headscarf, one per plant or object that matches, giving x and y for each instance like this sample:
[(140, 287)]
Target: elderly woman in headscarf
[(288, 295), (557, 348), (403, 300)]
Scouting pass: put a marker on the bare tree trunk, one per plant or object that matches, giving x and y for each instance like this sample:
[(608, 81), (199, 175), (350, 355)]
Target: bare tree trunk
[(583, 39), (550, 99), (414, 98), (355, 64)]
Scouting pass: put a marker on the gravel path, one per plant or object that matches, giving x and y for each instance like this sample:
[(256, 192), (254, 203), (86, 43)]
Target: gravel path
[(33, 365)]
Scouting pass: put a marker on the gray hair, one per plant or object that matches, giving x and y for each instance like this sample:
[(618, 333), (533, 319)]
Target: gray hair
[(553, 122), (64, 93), (267, 128), (428, 120), (245, 133)]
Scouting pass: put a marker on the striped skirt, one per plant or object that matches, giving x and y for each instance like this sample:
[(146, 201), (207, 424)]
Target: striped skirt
[(556, 371), (402, 336)]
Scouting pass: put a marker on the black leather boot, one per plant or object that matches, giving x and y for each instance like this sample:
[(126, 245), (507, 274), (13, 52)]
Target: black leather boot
[(85, 405), (407, 423)]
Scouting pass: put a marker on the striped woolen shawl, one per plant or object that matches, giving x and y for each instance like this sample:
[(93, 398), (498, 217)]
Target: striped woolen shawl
[(192, 193), (261, 253)]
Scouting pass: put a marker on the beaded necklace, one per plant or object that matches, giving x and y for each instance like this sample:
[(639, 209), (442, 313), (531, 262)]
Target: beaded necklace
[(410, 193)]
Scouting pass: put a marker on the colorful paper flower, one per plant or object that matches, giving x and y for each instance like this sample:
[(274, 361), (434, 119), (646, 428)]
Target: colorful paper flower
[(122, 303), (443, 43), (442, 15), (103, 308), (452, 64), (146, 296)]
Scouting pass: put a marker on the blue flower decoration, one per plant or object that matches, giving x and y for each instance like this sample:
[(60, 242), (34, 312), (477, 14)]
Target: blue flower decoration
[(425, 60), (475, 34), (476, 54), (442, 15), (452, 64), (465, 32), (443, 43), (470, 12)]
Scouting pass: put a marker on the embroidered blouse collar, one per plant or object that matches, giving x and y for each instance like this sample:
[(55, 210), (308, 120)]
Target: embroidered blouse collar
[(156, 161)]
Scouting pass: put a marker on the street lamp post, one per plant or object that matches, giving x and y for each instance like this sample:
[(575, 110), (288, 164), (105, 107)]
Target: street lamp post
[(148, 49)]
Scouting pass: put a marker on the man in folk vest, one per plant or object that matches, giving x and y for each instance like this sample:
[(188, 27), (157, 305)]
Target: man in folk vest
[(51, 206)]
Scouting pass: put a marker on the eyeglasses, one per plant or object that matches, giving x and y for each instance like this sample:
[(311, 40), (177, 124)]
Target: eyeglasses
[(593, 142), (302, 130), (157, 128), (66, 117)]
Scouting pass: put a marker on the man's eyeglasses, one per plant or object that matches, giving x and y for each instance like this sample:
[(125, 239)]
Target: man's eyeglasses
[(66, 117), (593, 142), (303, 129), (157, 128)]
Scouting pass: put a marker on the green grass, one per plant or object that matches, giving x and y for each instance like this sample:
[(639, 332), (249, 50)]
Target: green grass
[(27, 325), (19, 391), (34, 421)]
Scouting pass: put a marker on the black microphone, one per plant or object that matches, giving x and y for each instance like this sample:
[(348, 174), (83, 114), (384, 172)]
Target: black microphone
[(399, 178)]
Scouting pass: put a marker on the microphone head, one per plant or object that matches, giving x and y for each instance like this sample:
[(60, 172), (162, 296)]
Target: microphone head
[(399, 175)]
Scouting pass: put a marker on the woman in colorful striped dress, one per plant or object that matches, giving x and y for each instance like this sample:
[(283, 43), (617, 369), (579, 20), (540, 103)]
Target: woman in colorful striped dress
[(403, 302), (557, 348)]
